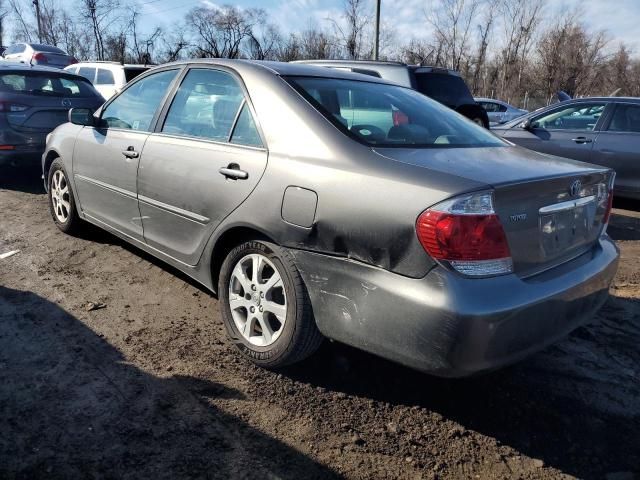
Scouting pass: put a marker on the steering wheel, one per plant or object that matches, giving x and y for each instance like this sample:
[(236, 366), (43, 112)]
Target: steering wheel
[(369, 132)]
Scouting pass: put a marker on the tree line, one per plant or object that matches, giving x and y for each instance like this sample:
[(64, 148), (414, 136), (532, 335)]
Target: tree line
[(515, 51)]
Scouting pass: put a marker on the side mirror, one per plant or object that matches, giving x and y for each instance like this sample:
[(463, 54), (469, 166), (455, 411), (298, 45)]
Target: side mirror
[(82, 116), (526, 124)]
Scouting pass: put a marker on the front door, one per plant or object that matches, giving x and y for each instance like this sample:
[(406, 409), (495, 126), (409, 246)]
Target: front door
[(106, 158), (204, 160), (566, 131)]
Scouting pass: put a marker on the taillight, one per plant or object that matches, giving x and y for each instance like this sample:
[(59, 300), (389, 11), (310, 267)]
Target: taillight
[(12, 107), (39, 56), (466, 234), (609, 204)]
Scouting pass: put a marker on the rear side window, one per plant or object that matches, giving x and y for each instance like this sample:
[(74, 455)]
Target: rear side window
[(380, 114), (87, 72), (626, 118), (245, 131), (447, 89), (104, 77), (48, 48), (206, 105), (135, 108), (492, 107), (45, 84)]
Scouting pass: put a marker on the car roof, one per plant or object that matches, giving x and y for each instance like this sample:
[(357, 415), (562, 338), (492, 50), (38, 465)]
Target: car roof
[(102, 63), (599, 99), (281, 69), (379, 63), (24, 67)]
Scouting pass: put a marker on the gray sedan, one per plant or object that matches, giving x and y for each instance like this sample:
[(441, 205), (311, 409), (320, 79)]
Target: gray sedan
[(318, 203), (499, 111), (604, 130)]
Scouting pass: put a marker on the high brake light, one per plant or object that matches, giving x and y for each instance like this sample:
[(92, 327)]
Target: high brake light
[(466, 234)]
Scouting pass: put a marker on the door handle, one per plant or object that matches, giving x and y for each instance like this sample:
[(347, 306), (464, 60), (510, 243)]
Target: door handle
[(130, 153), (582, 140), (233, 171)]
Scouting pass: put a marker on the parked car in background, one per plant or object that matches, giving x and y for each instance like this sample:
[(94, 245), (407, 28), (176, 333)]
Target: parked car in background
[(429, 241), (36, 54), (499, 111), (600, 130), (108, 77), (33, 101), (445, 86)]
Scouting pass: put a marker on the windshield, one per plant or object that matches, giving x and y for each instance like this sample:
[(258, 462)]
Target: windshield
[(46, 84), (47, 48), (445, 88), (390, 116)]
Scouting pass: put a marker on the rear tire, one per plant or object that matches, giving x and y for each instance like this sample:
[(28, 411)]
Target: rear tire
[(61, 203), (265, 305)]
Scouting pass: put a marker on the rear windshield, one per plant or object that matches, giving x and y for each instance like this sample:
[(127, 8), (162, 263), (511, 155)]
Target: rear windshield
[(447, 89), (390, 116), (47, 48), (46, 84)]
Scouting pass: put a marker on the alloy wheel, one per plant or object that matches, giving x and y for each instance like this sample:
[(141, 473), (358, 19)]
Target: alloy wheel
[(257, 300), (60, 196)]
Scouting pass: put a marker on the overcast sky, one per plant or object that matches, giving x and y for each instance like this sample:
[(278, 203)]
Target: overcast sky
[(620, 18)]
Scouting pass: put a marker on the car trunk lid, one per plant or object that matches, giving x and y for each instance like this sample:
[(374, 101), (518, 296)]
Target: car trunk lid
[(551, 209)]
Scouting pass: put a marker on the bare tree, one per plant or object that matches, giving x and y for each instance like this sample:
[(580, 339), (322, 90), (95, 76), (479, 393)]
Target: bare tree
[(101, 14), (220, 31), (451, 22), (352, 35)]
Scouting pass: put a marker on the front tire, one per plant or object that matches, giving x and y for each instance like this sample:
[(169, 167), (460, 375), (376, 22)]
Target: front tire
[(61, 203), (265, 306)]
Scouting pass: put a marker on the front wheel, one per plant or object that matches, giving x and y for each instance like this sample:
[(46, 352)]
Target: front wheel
[(61, 202), (265, 307)]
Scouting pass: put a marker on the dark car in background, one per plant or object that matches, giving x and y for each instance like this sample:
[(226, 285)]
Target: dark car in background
[(37, 54), (34, 101), (443, 85), (600, 130)]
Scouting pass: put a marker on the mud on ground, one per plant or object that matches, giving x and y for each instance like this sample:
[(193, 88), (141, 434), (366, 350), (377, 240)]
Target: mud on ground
[(147, 386)]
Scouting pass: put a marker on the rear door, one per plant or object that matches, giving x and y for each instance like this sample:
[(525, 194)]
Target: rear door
[(203, 161), (566, 131), (105, 158), (618, 147)]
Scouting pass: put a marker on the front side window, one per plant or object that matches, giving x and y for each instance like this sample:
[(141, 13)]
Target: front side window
[(626, 118), (206, 105), (105, 77), (45, 84), (571, 117), (135, 108), (379, 114)]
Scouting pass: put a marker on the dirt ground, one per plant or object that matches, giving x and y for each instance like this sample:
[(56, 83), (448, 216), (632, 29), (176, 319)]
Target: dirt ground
[(147, 387)]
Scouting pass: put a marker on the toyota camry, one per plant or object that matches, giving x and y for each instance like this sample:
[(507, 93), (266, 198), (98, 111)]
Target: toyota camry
[(318, 203)]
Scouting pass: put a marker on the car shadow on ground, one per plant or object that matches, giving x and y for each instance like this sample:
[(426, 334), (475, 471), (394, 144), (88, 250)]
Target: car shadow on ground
[(72, 407), (551, 406)]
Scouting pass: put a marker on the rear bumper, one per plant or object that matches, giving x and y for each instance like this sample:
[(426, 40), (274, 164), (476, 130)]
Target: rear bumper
[(452, 326)]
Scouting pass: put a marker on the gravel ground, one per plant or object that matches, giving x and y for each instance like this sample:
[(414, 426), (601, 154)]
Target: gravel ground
[(147, 386)]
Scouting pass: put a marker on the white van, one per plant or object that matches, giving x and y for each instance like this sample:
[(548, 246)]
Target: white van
[(107, 77)]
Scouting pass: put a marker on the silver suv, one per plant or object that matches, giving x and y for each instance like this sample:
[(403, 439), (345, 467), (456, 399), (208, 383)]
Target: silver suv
[(445, 86)]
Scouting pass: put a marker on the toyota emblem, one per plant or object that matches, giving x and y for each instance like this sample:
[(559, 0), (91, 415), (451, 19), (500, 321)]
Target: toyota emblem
[(575, 188)]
